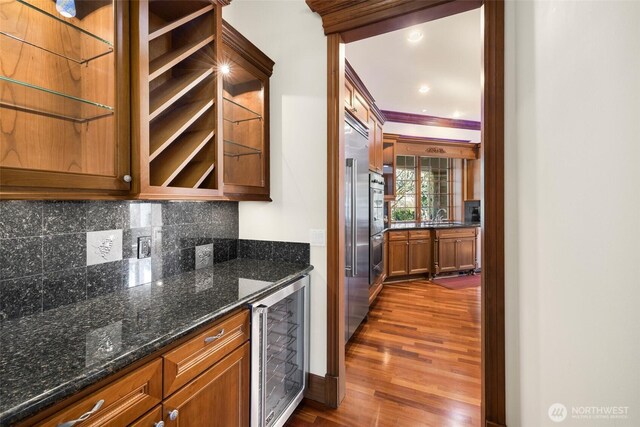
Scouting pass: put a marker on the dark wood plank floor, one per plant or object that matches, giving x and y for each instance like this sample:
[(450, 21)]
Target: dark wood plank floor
[(416, 362)]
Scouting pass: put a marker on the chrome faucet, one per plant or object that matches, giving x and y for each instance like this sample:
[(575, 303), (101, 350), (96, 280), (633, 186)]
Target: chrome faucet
[(438, 218)]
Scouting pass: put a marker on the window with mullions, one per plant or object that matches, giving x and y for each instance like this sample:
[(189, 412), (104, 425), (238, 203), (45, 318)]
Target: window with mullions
[(404, 208), (424, 189), (435, 188)]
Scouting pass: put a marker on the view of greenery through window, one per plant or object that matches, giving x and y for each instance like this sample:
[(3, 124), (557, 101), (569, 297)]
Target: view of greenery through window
[(423, 196)]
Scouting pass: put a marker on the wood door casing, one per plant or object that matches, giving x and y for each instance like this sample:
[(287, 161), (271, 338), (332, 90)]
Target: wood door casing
[(398, 258), (419, 256), (217, 398)]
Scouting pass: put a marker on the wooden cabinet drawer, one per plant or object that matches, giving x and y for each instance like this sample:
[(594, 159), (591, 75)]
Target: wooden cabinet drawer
[(419, 234), (398, 235), (185, 362), (124, 400), (150, 419), (456, 233)]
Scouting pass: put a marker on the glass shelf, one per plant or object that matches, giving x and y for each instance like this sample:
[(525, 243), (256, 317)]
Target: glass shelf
[(20, 96), (99, 46), (235, 149), (249, 114)]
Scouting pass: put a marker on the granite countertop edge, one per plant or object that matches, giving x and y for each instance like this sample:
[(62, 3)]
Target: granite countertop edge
[(57, 394)]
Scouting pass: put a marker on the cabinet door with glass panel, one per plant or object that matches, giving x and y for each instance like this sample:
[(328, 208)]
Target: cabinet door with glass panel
[(64, 114), (245, 109)]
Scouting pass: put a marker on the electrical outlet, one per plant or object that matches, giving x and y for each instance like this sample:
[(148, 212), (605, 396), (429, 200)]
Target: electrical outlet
[(317, 237), (144, 247)]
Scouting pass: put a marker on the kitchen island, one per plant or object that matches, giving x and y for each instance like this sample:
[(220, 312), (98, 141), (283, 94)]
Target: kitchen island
[(431, 248)]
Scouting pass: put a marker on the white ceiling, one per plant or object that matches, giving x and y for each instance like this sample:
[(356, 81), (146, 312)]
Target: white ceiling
[(447, 59)]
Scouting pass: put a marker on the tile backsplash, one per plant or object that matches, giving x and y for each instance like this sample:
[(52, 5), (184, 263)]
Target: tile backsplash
[(54, 253)]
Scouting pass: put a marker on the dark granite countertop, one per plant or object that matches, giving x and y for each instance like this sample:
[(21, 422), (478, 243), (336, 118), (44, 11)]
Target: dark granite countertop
[(47, 357), (430, 226)]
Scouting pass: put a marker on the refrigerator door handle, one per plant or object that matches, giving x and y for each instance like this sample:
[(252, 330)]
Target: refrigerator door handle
[(354, 217)]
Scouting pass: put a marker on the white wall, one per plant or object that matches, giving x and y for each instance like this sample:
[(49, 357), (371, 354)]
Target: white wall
[(431, 131), (573, 209), (290, 34)]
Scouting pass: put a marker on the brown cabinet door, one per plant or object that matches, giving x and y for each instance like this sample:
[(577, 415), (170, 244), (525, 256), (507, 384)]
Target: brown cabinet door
[(217, 398), (466, 253), (378, 147), (360, 109), (419, 256), (398, 258), (65, 128), (348, 96), (447, 259), (372, 144)]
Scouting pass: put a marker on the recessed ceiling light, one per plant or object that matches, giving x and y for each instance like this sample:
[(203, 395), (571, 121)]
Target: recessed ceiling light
[(424, 89), (457, 114), (415, 36), (424, 110), (225, 69)]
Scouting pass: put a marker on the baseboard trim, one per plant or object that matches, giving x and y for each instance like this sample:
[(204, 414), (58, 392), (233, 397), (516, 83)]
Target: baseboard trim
[(332, 393), (316, 389), (492, 424)]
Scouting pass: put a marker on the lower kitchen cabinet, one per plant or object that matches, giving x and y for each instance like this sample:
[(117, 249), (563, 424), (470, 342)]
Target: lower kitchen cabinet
[(447, 258), (152, 418), (466, 255), (217, 398), (207, 384), (118, 404), (455, 250), (419, 256), (398, 258)]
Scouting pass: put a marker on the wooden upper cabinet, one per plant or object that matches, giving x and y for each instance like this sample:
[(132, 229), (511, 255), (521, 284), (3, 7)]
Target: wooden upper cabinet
[(64, 111), (361, 104), (245, 117), (217, 398), (175, 54), (372, 143), (348, 96)]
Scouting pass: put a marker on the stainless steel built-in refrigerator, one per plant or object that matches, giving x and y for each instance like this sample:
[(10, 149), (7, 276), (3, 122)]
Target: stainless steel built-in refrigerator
[(356, 225)]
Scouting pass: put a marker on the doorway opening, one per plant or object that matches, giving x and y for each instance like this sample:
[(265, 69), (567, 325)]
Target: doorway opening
[(341, 28)]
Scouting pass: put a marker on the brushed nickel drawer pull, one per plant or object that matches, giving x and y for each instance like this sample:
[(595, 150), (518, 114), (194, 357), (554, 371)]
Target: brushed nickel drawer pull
[(208, 340), (83, 416)]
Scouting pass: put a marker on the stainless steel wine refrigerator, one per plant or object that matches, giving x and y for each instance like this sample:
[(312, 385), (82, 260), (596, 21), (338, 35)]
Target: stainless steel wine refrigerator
[(279, 354)]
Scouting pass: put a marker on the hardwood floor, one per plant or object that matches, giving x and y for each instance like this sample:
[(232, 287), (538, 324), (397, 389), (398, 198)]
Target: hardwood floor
[(415, 362)]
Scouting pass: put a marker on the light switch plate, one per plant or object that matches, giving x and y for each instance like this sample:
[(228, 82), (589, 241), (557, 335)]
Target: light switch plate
[(317, 237), (104, 246)]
